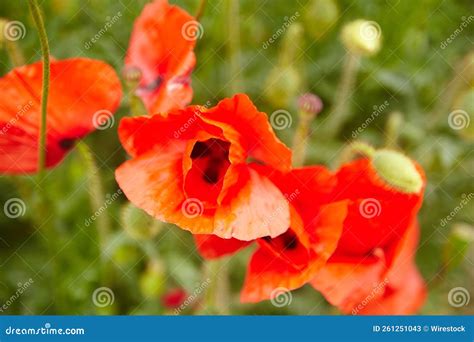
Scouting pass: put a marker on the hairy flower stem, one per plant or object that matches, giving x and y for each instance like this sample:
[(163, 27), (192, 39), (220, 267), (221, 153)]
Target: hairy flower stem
[(233, 25), (340, 111), (97, 200), (39, 23), (200, 10), (301, 137)]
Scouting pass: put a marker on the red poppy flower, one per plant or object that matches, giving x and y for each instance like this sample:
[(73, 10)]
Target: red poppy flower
[(371, 252), (162, 50), (83, 92), (174, 298), (291, 259), (191, 168)]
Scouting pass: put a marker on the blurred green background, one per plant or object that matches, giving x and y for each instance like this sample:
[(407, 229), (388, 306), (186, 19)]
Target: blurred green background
[(413, 73)]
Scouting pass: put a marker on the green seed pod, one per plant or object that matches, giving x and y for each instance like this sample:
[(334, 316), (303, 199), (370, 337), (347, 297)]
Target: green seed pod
[(397, 170), (362, 37), (320, 16)]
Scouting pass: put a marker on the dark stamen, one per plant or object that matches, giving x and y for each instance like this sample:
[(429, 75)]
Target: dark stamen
[(200, 150), (67, 143)]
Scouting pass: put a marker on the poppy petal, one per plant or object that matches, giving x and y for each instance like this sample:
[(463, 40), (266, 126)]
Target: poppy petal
[(347, 282), (212, 246), (160, 49), (268, 275), (256, 134), (83, 93), (245, 216)]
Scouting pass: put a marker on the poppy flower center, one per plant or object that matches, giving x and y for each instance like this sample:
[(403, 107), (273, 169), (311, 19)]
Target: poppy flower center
[(210, 161)]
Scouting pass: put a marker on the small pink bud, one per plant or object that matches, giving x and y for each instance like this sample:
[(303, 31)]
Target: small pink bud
[(310, 103)]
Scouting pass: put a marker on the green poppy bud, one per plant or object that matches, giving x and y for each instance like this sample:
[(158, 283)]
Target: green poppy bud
[(362, 37)]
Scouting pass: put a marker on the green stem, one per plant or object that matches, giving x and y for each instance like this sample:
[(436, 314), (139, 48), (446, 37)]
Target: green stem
[(217, 296), (15, 54), (352, 149), (301, 137), (340, 113), (233, 26), (38, 19), (97, 200), (200, 10), (96, 193), (392, 129), (447, 96)]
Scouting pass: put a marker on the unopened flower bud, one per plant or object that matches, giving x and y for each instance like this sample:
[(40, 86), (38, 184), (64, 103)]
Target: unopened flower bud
[(310, 103), (320, 16), (397, 170), (362, 37)]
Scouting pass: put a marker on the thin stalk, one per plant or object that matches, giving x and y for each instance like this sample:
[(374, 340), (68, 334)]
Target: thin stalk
[(216, 299), (15, 54), (96, 193), (200, 9), (340, 111), (301, 137), (39, 23), (233, 21), (97, 200)]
